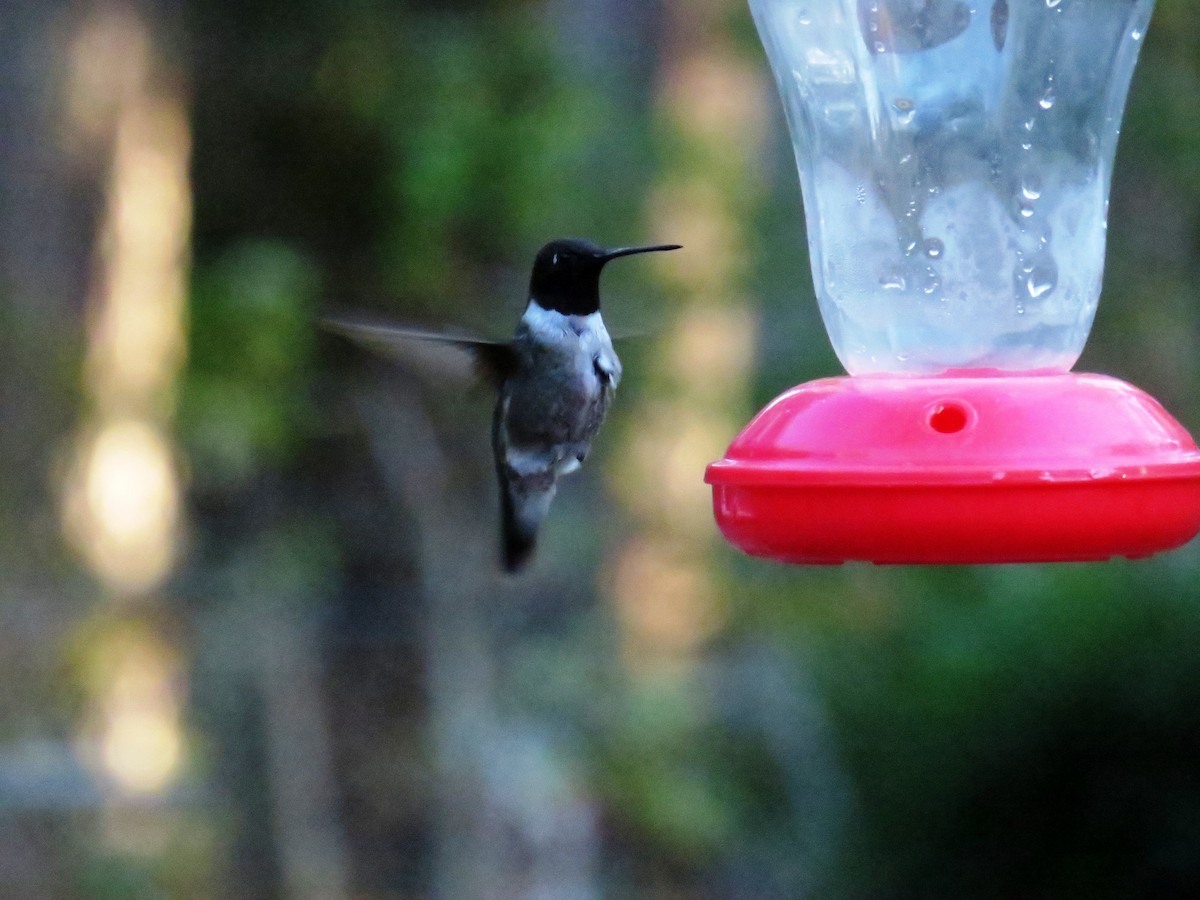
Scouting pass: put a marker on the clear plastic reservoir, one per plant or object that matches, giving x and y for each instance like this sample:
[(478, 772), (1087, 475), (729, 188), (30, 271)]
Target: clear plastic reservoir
[(955, 160)]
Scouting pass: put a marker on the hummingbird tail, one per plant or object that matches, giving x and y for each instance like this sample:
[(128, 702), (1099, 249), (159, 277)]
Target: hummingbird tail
[(524, 502), (519, 545)]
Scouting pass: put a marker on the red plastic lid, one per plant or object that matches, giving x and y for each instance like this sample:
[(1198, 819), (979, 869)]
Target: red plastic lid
[(959, 470)]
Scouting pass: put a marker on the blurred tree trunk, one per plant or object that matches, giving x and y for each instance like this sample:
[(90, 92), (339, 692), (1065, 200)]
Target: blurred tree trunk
[(695, 395), (45, 215), (47, 208)]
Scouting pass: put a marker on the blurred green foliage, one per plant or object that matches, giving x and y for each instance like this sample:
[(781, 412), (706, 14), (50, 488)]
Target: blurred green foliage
[(246, 406), (1022, 735)]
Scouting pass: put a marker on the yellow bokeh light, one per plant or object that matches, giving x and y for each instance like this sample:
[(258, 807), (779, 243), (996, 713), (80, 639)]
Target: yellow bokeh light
[(141, 750), (663, 585), (665, 602), (716, 96), (123, 505), (696, 215), (133, 732), (122, 493), (122, 496), (138, 336), (723, 339), (131, 484)]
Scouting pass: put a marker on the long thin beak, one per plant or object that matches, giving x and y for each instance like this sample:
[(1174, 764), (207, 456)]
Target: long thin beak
[(630, 251)]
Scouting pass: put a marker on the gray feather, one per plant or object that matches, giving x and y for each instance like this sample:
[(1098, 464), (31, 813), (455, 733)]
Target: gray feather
[(441, 355)]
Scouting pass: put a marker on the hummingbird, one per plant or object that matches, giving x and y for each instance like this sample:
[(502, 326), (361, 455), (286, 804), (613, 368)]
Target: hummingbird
[(554, 382)]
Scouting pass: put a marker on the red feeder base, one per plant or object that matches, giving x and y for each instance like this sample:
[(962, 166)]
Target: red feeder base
[(1003, 468)]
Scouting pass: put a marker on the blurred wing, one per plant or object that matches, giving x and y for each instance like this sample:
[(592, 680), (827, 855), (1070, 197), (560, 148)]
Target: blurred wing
[(439, 355), (623, 327), (623, 335)]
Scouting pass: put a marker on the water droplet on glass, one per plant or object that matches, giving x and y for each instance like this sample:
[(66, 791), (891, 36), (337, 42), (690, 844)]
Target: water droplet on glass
[(893, 280), (1040, 282), (1025, 207), (906, 108), (1053, 3), (909, 248), (1036, 277), (932, 282), (1047, 100), (880, 47), (861, 194), (805, 18), (934, 248), (1026, 145), (1031, 187), (1135, 34), (1029, 124)]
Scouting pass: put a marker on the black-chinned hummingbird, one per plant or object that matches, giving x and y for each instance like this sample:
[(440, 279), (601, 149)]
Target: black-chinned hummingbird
[(554, 380)]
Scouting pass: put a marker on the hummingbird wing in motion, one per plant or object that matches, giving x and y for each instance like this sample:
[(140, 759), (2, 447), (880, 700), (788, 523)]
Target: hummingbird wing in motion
[(447, 355)]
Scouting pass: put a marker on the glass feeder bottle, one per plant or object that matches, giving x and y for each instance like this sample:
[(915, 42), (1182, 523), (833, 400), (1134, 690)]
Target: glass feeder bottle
[(955, 160)]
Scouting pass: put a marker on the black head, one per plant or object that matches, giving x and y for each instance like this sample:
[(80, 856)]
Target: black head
[(566, 274)]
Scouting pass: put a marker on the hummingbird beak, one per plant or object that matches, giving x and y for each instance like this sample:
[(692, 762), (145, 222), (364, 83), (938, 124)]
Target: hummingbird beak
[(630, 251)]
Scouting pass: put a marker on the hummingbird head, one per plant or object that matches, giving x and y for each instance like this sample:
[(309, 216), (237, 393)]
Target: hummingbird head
[(566, 274)]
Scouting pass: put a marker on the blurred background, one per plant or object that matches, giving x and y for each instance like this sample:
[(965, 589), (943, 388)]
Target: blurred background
[(253, 640)]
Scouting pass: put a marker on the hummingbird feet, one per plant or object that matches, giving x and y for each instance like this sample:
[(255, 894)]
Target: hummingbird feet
[(572, 459)]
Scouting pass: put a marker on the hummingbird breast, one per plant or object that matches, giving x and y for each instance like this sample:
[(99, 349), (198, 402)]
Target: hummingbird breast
[(564, 382)]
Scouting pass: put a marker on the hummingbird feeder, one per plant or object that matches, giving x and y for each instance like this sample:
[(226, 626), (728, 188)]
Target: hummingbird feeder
[(955, 160)]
